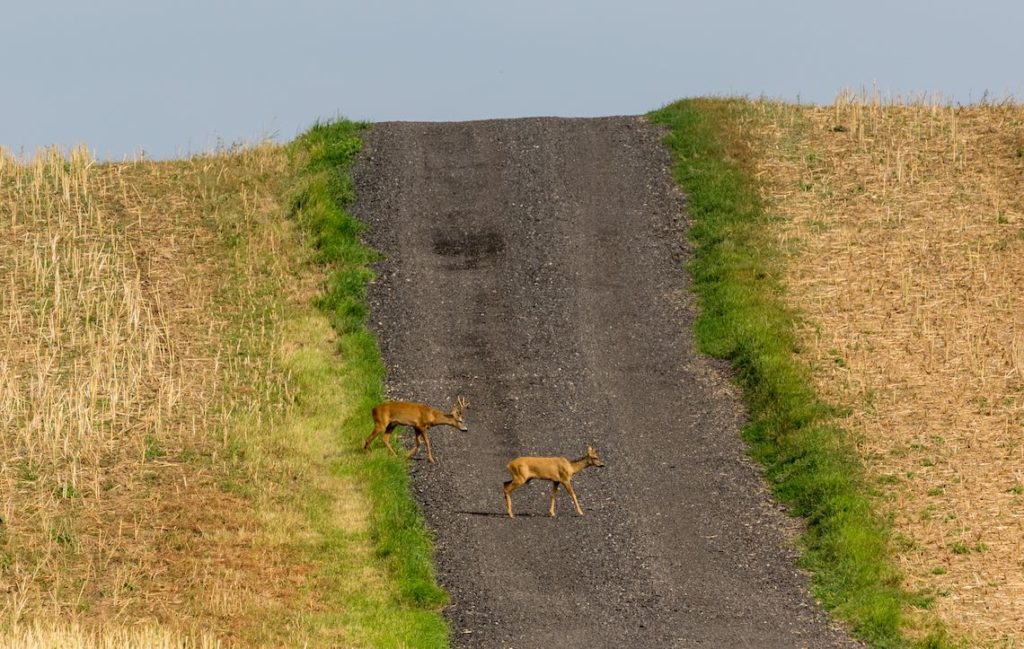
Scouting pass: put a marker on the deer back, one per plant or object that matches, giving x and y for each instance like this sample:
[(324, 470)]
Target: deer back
[(555, 469), (407, 413)]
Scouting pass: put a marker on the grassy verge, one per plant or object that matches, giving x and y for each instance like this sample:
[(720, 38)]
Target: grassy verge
[(400, 539), (810, 463)]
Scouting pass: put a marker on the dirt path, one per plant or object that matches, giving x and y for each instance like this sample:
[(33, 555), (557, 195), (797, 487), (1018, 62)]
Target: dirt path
[(536, 266)]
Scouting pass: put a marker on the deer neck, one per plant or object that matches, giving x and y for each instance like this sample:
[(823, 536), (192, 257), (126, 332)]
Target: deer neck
[(579, 465), (444, 418)]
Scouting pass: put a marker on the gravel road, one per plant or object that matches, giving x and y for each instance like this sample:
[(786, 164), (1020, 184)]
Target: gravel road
[(536, 267)]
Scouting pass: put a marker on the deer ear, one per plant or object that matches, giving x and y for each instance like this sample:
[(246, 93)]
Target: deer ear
[(590, 449)]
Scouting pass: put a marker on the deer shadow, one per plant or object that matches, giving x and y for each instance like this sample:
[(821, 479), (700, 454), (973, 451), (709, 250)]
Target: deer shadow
[(498, 514)]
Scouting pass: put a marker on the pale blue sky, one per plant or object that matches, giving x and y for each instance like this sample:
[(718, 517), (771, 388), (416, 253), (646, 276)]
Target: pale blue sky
[(173, 78)]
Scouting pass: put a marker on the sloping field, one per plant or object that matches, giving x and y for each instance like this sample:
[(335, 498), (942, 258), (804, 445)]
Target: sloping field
[(180, 428), (135, 341), (116, 384), (903, 224), (171, 470)]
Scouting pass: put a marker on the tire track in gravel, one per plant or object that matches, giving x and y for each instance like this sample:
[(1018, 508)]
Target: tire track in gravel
[(536, 267)]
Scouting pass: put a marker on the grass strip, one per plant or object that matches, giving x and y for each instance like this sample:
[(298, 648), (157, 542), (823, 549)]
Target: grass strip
[(320, 206), (810, 462)]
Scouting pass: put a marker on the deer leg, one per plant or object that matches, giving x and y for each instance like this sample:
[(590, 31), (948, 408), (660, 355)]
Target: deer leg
[(568, 487), (377, 430), (387, 438), (554, 490), (509, 487), (426, 440), (416, 442)]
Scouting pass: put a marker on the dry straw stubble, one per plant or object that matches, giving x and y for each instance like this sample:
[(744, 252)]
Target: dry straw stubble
[(136, 333), (904, 222)]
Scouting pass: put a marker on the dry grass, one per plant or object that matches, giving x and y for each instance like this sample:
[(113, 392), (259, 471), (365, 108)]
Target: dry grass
[(72, 636), (904, 223), (177, 417), (139, 306)]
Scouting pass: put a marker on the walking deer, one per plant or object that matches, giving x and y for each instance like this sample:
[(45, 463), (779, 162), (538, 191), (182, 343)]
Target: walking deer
[(558, 470), (418, 416)]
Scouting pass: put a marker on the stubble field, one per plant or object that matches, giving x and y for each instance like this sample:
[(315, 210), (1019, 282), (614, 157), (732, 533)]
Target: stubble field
[(171, 468), (902, 223)]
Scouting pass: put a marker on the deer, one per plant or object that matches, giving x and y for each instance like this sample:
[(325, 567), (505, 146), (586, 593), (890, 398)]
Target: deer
[(557, 470), (418, 416)]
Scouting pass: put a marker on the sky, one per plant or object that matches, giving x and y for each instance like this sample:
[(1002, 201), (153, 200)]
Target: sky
[(128, 78)]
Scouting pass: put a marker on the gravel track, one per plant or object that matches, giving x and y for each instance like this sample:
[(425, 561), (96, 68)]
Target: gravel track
[(536, 267)]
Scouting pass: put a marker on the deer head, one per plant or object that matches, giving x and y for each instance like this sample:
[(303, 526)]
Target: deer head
[(592, 458), (460, 408)]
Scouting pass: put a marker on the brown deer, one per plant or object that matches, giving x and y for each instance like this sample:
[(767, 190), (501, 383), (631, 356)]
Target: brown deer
[(420, 417), (556, 469)]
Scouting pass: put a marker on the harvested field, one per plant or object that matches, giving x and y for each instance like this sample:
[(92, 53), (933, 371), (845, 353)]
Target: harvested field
[(903, 225), (139, 303)]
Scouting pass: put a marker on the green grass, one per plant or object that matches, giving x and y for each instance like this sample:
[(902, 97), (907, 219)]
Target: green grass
[(809, 461), (400, 540), (365, 608)]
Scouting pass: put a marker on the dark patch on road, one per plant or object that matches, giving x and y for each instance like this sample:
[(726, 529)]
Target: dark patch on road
[(471, 248), (536, 267)]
